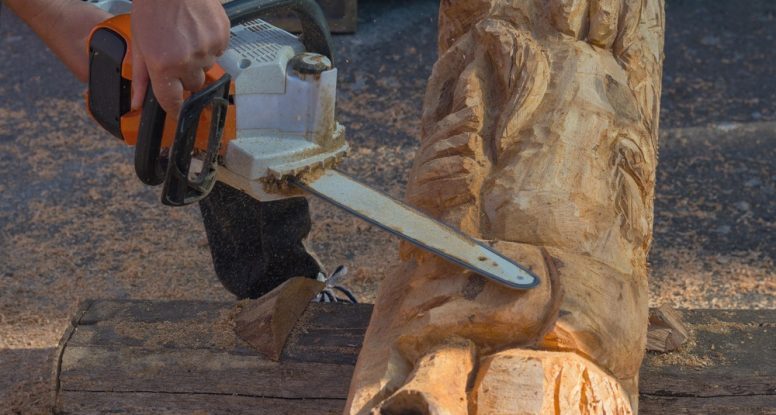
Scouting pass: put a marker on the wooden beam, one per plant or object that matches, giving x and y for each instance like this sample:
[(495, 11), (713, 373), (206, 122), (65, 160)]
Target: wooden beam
[(183, 356)]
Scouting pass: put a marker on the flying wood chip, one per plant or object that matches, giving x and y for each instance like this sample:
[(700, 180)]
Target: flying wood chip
[(266, 322)]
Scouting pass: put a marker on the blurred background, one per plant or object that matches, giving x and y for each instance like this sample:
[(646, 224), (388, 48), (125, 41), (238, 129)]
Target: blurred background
[(75, 223)]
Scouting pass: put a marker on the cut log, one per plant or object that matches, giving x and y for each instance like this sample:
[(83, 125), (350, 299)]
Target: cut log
[(157, 357), (266, 323), (666, 330)]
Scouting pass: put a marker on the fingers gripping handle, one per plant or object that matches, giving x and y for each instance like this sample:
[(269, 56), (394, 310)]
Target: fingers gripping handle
[(150, 167)]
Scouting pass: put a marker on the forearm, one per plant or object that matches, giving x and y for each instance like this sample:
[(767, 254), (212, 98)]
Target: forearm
[(64, 26)]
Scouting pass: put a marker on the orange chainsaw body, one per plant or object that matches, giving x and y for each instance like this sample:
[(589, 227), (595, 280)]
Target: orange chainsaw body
[(118, 27)]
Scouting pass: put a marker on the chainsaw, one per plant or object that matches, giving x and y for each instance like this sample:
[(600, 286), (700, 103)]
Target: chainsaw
[(264, 124)]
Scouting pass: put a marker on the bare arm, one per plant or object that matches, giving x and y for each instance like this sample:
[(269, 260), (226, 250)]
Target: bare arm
[(64, 26), (175, 41)]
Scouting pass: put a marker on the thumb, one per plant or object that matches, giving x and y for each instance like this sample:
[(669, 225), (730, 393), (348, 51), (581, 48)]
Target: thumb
[(139, 79)]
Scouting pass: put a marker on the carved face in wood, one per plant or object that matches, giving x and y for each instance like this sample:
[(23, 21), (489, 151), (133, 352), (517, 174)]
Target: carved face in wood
[(539, 134), (540, 124)]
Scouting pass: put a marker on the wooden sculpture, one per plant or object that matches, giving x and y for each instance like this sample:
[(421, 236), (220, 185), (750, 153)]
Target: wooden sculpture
[(539, 136)]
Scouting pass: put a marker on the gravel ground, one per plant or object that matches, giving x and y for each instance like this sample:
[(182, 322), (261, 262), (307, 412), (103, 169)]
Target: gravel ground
[(75, 223), (719, 62)]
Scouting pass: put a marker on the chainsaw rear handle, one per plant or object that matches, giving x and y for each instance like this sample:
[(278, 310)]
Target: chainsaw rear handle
[(148, 162), (150, 167)]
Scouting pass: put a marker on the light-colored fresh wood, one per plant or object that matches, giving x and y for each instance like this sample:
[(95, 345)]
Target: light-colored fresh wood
[(451, 363), (266, 322), (666, 330), (506, 385), (539, 133)]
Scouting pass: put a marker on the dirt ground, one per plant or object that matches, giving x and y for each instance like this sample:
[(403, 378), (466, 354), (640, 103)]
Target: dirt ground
[(75, 223)]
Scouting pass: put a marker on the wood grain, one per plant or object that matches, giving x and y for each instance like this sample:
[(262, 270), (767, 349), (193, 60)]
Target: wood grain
[(539, 135), (666, 330), (121, 356), (266, 322)]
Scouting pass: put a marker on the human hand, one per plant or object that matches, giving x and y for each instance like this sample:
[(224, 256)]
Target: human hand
[(174, 43)]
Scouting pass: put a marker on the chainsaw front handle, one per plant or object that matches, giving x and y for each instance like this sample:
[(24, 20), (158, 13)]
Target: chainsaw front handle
[(180, 186)]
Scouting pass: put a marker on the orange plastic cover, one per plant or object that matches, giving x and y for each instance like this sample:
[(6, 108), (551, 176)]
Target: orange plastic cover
[(130, 122)]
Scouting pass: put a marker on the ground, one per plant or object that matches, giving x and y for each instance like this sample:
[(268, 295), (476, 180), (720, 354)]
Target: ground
[(75, 223)]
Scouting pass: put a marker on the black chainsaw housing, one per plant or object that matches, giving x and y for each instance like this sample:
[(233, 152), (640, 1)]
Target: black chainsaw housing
[(109, 93)]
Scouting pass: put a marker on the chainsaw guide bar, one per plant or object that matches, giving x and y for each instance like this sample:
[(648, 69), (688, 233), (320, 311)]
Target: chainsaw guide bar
[(413, 226), (266, 116)]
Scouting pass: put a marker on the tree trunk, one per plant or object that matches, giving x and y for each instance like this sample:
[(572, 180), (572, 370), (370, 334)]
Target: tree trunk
[(539, 135)]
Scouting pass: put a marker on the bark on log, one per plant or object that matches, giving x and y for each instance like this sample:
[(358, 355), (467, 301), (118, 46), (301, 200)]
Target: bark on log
[(539, 134), (174, 357)]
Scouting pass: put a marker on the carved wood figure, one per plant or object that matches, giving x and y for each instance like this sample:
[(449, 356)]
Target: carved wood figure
[(539, 135)]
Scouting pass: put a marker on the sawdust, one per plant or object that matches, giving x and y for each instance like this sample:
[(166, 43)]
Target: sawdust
[(237, 308), (193, 333), (685, 356), (690, 356), (75, 223), (26, 391), (726, 327), (28, 398), (689, 277)]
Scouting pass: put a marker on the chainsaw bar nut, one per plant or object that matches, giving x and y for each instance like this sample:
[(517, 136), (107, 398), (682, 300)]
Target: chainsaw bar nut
[(308, 63)]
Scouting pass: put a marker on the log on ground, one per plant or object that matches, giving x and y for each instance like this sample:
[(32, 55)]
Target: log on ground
[(183, 357)]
